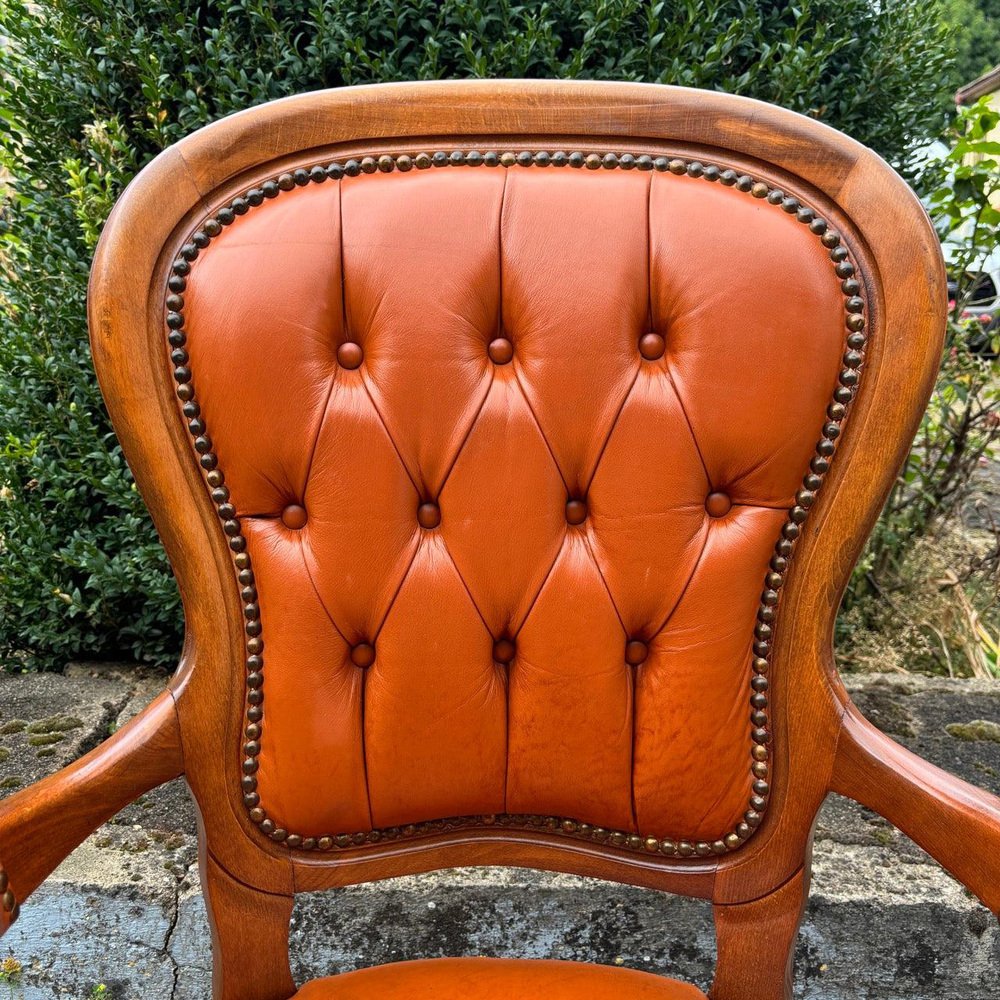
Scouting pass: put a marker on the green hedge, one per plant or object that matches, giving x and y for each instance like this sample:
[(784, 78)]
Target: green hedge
[(92, 89)]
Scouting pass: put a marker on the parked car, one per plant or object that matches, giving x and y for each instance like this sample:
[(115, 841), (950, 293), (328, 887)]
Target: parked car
[(978, 292)]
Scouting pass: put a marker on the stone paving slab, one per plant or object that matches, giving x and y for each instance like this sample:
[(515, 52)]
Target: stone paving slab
[(883, 923)]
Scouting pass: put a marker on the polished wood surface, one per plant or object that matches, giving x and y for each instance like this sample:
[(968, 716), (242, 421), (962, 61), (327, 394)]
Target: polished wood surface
[(249, 936), (954, 822), (821, 742), (756, 942)]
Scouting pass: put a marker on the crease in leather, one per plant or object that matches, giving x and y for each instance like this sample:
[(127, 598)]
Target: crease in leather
[(518, 373), (503, 203), (392, 440), (688, 424), (612, 428), (399, 587), (604, 582), (521, 534), (465, 585), (343, 310), (333, 622), (364, 748), (465, 436), (510, 673), (316, 590), (649, 255), (706, 529)]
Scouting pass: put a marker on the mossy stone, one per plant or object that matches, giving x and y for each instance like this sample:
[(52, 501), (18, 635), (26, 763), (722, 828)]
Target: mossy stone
[(45, 739), (975, 731), (55, 724)]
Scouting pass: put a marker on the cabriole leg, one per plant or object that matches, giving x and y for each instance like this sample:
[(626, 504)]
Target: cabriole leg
[(249, 938), (756, 943)]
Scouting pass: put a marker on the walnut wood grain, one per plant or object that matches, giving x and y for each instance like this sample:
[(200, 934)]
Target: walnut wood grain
[(42, 823)]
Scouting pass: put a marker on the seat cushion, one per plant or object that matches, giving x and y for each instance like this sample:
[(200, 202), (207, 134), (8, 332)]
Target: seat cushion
[(496, 979)]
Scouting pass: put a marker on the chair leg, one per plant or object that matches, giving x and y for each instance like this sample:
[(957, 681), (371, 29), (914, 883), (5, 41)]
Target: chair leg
[(249, 937), (756, 943)]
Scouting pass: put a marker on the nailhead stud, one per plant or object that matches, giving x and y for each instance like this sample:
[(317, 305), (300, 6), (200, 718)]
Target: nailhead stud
[(576, 511), (501, 351), (636, 652), (504, 651), (294, 516), (718, 504)]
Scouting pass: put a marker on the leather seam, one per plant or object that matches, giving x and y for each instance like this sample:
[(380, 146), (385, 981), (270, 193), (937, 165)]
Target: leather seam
[(614, 424), (319, 596), (395, 594), (385, 427), (468, 433), (527, 615), (707, 528), (465, 587)]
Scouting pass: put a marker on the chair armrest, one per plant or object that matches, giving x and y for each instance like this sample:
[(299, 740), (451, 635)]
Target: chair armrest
[(955, 822), (42, 823)]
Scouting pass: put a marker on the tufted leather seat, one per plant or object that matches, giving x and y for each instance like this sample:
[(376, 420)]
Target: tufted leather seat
[(506, 461), (496, 979)]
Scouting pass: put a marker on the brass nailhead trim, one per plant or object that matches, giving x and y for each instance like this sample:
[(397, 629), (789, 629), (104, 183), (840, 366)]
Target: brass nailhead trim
[(7, 898), (848, 380)]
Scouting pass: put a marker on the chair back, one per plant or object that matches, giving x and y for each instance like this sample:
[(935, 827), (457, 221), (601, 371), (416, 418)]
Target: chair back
[(513, 444)]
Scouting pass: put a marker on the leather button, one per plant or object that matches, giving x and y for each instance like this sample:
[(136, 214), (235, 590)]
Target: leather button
[(576, 511), (350, 355), (363, 654), (635, 652), (652, 346), (718, 504), (504, 650), (429, 515), (294, 516), (501, 351)]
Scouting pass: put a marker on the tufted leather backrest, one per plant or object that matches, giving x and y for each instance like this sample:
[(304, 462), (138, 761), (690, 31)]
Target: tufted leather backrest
[(512, 452)]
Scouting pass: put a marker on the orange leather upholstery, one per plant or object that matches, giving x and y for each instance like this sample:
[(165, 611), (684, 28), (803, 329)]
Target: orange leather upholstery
[(496, 979), (510, 449)]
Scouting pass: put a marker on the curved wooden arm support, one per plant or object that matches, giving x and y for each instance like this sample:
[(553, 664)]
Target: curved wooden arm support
[(42, 823), (955, 822)]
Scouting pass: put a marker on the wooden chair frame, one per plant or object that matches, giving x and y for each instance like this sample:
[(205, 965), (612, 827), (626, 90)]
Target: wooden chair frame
[(821, 741)]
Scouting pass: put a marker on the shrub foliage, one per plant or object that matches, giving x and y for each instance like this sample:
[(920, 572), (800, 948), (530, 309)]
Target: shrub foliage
[(91, 90)]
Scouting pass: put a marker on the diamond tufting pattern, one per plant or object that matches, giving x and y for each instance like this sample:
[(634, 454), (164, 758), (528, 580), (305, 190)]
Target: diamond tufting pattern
[(510, 449)]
